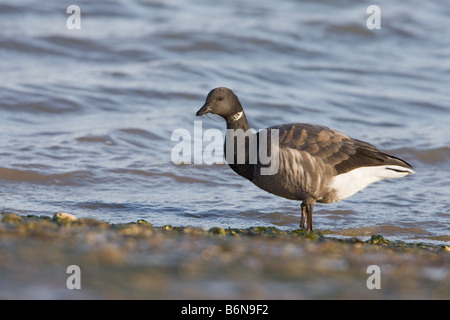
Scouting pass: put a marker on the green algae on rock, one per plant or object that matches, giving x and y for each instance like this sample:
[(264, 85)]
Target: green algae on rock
[(313, 235), (143, 228), (378, 239), (265, 231)]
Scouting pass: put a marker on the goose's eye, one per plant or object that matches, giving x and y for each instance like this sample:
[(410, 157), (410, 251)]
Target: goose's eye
[(220, 98)]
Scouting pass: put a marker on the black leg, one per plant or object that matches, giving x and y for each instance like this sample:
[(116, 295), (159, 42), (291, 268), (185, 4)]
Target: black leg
[(309, 210), (303, 217), (307, 213)]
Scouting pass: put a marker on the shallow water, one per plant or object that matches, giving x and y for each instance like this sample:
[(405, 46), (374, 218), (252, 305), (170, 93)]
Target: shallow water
[(87, 115)]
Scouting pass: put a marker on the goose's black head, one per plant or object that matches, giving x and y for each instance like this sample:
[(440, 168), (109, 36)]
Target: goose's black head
[(221, 101)]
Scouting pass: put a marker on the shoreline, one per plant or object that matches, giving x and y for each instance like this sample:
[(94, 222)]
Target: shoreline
[(66, 219), (137, 260)]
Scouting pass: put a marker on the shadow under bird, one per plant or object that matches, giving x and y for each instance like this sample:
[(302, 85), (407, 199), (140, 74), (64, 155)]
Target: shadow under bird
[(315, 163)]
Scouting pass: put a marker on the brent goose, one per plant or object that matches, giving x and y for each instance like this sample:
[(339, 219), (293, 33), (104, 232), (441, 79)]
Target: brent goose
[(316, 163)]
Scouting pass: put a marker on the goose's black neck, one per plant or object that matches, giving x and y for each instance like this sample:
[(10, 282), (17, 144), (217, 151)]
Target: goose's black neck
[(236, 122)]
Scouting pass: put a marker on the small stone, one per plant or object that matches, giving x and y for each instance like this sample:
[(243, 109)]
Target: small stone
[(64, 218), (217, 231), (232, 233), (11, 218), (143, 222), (130, 229)]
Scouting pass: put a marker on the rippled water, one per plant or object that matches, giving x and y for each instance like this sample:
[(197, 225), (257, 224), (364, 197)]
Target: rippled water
[(87, 115)]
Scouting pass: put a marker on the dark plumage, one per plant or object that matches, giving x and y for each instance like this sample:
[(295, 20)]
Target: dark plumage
[(315, 163)]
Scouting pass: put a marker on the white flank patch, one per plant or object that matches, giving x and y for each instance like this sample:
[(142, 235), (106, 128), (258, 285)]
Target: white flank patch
[(349, 183)]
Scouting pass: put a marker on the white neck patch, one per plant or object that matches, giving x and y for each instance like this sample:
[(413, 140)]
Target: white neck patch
[(237, 116)]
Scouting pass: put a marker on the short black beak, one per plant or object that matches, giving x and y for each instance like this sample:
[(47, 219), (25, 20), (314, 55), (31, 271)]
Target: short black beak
[(203, 110)]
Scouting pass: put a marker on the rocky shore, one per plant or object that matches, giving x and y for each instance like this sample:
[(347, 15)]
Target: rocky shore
[(140, 261)]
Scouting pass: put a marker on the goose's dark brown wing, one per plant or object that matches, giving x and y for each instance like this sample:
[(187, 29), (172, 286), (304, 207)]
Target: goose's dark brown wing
[(334, 147)]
